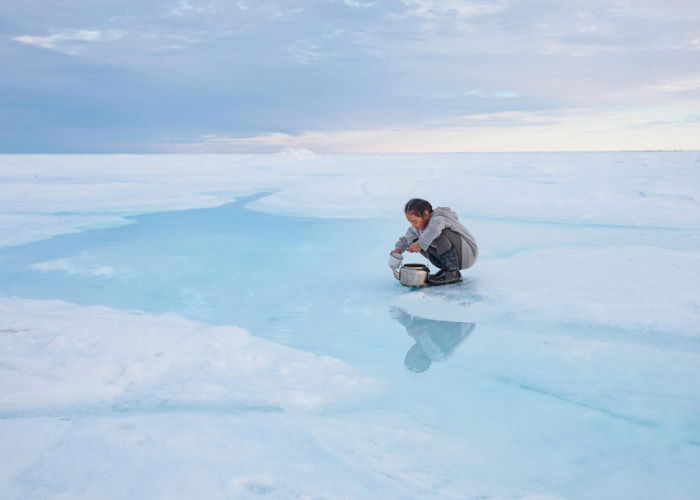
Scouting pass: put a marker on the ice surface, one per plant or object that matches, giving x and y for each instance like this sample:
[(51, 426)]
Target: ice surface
[(226, 327), (638, 189), (206, 455), (61, 356), (638, 288)]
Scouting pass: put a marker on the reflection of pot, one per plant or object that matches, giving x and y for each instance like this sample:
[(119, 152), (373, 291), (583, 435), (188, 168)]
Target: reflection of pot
[(415, 275)]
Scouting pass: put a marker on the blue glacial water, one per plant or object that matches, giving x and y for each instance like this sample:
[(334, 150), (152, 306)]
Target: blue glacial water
[(323, 285), (318, 284)]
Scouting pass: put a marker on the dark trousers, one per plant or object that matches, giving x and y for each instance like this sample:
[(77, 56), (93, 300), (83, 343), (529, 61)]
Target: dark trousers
[(448, 239)]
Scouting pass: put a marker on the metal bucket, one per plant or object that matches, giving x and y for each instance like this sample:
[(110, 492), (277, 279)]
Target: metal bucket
[(414, 275)]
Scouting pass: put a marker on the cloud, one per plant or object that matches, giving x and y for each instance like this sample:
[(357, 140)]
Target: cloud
[(304, 52), (356, 4), (685, 84), (498, 94), (186, 7), (562, 130), (50, 41), (462, 8)]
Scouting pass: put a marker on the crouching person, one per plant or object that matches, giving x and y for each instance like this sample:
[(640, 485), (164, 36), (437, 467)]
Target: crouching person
[(439, 236)]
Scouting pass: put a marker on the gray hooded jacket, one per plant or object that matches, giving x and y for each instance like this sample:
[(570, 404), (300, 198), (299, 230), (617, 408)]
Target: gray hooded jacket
[(442, 218)]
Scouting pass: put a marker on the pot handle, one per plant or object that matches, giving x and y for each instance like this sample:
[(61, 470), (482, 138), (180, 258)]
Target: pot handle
[(395, 271), (395, 263)]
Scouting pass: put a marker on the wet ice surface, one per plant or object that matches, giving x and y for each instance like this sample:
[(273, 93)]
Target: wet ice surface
[(229, 352)]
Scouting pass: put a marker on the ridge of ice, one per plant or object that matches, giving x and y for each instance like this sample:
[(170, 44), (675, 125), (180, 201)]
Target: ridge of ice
[(54, 354), (298, 154)]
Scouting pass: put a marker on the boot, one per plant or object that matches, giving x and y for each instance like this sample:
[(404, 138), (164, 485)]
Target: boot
[(437, 275), (449, 273), (445, 278)]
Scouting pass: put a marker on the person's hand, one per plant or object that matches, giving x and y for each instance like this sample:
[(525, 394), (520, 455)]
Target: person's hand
[(395, 250), (414, 247)]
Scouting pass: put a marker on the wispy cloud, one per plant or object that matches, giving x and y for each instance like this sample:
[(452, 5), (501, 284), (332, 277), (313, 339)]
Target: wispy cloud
[(357, 4), (498, 94), (685, 84), (188, 7), (83, 35), (563, 130), (304, 52), (461, 8)]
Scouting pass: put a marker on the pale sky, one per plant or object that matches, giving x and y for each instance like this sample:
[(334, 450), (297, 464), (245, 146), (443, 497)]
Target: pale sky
[(221, 76)]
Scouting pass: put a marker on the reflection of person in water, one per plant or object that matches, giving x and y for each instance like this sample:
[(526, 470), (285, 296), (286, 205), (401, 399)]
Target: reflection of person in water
[(435, 340)]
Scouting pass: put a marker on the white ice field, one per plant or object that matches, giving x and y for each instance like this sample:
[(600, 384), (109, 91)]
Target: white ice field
[(228, 327)]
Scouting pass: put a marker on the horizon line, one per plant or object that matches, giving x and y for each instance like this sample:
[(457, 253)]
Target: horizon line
[(338, 153)]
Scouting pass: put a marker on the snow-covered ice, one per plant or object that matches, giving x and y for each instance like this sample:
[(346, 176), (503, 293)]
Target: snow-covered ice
[(227, 327), (64, 355)]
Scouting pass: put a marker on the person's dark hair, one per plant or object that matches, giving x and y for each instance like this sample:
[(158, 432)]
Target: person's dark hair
[(416, 206)]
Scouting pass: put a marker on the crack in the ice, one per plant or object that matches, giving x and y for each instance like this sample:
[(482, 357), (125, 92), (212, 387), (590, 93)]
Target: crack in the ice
[(132, 408), (581, 404)]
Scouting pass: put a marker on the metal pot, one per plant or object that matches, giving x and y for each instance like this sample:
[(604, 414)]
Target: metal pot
[(414, 275)]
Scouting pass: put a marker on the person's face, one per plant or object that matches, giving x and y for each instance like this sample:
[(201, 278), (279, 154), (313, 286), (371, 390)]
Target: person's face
[(418, 222)]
